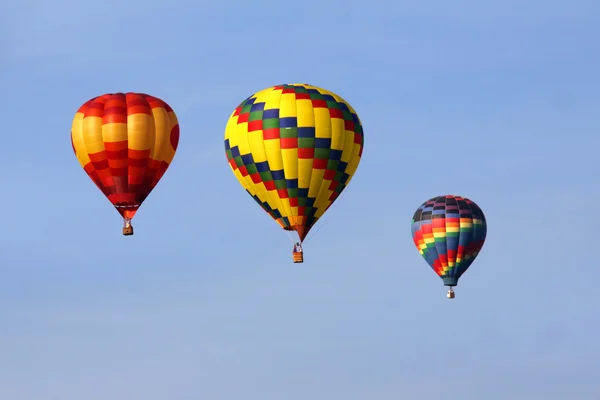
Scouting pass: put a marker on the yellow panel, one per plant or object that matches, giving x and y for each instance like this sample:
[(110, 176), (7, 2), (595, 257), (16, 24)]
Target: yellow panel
[(348, 146), (287, 105), (322, 200), (242, 140), (140, 131), (114, 132), (262, 96), (78, 142), (337, 134), (169, 151), (92, 135), (230, 130), (273, 99), (305, 172), (255, 140), (286, 207), (273, 151), (354, 160), (161, 148), (315, 182), (290, 163), (322, 123), (305, 113)]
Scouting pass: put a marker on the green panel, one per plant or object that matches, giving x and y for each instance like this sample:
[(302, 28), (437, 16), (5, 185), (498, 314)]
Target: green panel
[(332, 165), (255, 116), (321, 153), (306, 143), (270, 123), (251, 168), (288, 133), (266, 176)]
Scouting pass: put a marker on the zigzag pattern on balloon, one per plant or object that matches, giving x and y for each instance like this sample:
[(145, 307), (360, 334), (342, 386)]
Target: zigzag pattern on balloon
[(294, 148), (449, 232)]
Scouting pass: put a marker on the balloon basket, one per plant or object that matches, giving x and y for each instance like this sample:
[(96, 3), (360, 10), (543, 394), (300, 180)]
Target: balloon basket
[(298, 257), (450, 294), (128, 230)]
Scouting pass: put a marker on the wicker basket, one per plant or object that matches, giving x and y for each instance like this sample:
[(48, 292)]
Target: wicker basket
[(298, 257)]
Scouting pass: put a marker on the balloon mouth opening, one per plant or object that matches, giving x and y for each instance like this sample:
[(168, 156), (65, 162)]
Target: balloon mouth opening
[(450, 281), (299, 229)]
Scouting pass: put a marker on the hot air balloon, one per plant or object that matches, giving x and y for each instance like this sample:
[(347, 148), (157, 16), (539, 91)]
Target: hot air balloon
[(294, 148), (125, 143), (449, 232)]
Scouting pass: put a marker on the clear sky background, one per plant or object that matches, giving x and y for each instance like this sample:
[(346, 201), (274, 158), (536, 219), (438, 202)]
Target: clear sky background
[(497, 101)]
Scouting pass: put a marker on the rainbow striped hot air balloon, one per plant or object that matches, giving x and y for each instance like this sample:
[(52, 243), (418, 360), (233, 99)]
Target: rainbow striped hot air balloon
[(449, 232), (294, 148), (125, 143)]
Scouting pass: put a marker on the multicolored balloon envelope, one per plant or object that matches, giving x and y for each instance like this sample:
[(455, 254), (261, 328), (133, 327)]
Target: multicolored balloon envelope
[(449, 232), (125, 142), (294, 148)]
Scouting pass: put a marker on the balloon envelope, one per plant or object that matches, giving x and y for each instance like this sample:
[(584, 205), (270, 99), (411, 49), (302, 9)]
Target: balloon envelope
[(449, 232), (125, 143), (294, 148)]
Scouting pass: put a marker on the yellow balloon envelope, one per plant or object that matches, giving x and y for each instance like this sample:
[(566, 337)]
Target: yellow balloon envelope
[(294, 148)]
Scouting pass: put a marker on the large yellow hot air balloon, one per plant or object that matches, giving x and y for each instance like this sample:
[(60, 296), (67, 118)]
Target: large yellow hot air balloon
[(294, 148), (125, 143)]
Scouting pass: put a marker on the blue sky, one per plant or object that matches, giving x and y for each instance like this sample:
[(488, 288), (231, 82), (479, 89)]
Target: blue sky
[(496, 101)]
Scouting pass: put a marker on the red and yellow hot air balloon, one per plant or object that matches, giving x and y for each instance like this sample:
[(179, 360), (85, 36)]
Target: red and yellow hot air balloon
[(125, 142), (294, 148)]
